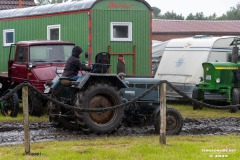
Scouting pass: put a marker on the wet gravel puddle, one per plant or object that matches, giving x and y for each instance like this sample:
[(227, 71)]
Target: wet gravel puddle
[(12, 133)]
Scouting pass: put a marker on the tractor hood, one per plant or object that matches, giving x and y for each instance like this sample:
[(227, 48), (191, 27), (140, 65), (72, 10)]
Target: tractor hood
[(47, 73), (139, 80)]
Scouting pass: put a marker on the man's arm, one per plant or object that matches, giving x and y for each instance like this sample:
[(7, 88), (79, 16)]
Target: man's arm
[(84, 67)]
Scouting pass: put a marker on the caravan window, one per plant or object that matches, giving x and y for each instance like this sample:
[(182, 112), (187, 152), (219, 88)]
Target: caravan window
[(53, 32), (121, 31), (8, 37)]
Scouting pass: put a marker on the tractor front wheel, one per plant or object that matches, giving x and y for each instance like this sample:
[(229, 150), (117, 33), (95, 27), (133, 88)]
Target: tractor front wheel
[(234, 101), (197, 95), (174, 122)]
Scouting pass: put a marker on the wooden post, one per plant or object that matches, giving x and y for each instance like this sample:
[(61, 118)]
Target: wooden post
[(163, 114), (26, 119), (19, 3)]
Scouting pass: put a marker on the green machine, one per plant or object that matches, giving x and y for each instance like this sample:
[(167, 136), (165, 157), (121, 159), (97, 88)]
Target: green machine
[(222, 79)]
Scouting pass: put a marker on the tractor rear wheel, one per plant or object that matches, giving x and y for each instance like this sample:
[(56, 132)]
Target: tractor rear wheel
[(234, 101), (174, 122), (99, 96)]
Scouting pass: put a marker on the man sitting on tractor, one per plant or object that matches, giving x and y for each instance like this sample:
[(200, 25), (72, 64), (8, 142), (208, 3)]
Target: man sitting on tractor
[(74, 65)]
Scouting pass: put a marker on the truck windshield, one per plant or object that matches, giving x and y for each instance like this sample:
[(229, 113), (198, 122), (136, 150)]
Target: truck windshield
[(50, 53)]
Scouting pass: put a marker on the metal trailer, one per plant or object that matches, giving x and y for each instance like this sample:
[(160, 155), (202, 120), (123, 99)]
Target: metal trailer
[(181, 63)]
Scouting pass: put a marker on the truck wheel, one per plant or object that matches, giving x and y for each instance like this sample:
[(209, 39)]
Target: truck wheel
[(10, 106), (35, 103), (234, 101), (61, 118), (197, 95), (99, 96), (174, 122)]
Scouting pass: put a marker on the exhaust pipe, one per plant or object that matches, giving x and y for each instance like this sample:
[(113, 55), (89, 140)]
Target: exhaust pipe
[(235, 51)]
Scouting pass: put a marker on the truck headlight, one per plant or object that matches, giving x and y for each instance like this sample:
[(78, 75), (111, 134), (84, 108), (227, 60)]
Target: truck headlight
[(46, 88), (1, 85), (218, 80), (59, 71)]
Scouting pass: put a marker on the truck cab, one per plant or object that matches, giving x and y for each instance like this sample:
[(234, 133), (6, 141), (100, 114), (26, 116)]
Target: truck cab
[(37, 62)]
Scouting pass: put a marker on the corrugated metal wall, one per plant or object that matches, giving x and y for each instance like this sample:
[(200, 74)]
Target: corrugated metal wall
[(74, 28), (140, 18)]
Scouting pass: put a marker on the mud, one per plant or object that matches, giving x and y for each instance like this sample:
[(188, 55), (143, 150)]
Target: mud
[(12, 133)]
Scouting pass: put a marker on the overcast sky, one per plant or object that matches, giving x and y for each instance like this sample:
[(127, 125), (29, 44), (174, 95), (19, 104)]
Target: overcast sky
[(185, 7)]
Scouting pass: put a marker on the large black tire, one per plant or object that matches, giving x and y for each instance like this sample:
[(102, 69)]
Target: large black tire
[(234, 101), (174, 122), (36, 104), (10, 106), (58, 120), (197, 95), (99, 96)]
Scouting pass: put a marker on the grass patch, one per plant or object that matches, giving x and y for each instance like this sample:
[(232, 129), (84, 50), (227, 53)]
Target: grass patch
[(185, 109), (187, 112), (19, 118), (131, 148)]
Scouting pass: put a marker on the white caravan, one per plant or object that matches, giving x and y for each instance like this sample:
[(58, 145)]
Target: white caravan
[(158, 48), (181, 63)]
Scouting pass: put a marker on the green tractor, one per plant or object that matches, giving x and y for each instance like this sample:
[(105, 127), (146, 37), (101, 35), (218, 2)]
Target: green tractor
[(221, 79)]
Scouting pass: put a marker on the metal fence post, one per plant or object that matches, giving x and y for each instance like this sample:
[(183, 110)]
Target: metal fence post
[(26, 119), (163, 114)]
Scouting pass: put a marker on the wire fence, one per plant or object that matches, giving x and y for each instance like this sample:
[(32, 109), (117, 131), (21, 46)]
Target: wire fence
[(122, 105)]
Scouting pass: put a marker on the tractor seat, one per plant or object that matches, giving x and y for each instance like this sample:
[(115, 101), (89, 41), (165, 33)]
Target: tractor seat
[(102, 63), (66, 81)]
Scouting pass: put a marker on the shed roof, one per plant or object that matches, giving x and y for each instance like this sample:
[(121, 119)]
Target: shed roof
[(10, 4), (54, 8), (183, 26), (48, 9)]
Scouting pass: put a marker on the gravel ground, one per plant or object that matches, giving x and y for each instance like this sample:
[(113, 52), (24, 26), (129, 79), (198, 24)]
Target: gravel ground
[(12, 133)]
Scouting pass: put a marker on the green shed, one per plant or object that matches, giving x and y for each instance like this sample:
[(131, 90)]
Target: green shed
[(120, 27)]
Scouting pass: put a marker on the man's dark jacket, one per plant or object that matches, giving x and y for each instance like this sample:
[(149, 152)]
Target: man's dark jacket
[(72, 67)]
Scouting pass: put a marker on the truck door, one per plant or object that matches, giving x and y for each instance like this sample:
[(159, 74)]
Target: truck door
[(20, 65), (11, 59)]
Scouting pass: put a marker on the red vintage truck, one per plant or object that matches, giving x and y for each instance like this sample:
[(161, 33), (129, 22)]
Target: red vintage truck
[(36, 62)]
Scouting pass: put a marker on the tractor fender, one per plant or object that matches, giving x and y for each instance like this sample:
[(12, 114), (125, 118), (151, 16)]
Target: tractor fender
[(89, 78)]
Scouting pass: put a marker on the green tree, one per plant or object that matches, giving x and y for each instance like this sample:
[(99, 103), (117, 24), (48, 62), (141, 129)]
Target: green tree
[(232, 14), (172, 15), (201, 16), (212, 17), (190, 17)]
